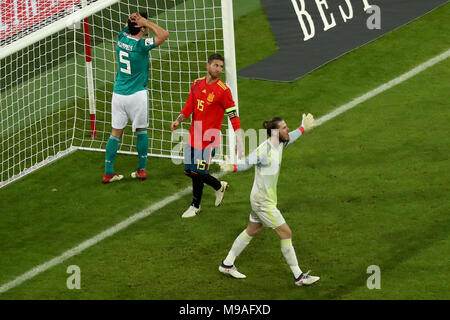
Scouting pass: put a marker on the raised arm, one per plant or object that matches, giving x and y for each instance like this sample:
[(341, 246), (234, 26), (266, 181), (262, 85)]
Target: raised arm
[(307, 124), (257, 157), (161, 34)]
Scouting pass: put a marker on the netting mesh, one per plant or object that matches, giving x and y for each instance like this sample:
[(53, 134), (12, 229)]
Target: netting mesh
[(20, 18), (44, 102)]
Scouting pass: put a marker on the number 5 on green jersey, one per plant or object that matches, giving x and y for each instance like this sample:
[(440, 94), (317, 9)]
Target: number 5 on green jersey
[(123, 57)]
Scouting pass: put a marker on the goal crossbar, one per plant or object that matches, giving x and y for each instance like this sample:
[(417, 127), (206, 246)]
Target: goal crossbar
[(55, 27)]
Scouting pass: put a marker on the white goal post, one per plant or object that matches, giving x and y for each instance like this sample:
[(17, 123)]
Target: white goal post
[(57, 69)]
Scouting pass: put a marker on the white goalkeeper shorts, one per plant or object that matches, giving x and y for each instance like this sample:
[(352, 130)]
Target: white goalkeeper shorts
[(132, 107), (269, 216)]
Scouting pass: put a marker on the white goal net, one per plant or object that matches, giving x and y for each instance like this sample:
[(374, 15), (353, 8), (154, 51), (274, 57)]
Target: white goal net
[(58, 64)]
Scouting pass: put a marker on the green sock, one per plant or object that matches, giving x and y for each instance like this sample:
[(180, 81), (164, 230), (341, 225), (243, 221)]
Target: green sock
[(142, 148), (110, 156)]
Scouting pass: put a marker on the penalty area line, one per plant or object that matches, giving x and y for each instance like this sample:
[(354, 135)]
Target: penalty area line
[(164, 202)]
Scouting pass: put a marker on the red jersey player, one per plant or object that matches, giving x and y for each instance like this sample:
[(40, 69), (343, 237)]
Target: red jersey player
[(208, 101)]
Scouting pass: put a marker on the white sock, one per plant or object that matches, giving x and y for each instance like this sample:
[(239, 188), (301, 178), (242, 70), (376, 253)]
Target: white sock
[(242, 240), (289, 254)]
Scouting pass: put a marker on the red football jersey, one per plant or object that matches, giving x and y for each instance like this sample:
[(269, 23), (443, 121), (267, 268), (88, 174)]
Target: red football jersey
[(207, 103)]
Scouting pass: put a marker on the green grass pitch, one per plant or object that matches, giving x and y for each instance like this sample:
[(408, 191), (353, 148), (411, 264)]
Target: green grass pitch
[(369, 187)]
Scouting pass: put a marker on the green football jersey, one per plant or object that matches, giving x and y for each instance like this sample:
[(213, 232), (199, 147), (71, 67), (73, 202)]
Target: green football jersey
[(132, 57)]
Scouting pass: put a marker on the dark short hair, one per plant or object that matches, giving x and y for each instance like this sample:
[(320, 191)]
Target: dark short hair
[(215, 56), (271, 124), (132, 25)]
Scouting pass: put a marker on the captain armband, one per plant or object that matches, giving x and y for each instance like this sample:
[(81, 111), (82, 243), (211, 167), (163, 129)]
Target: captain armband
[(234, 119)]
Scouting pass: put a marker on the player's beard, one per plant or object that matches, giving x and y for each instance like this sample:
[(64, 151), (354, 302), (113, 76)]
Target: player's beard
[(283, 140), (214, 75)]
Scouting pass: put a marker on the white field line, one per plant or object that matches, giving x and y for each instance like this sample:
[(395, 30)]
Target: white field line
[(383, 87), (92, 241), (148, 211)]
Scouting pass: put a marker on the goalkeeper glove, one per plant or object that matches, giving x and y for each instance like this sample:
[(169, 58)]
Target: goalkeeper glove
[(307, 121), (227, 166)]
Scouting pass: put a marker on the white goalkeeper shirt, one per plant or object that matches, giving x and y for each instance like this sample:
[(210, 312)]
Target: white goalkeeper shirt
[(267, 161)]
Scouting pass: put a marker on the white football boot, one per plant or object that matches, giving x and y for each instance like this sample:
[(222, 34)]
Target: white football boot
[(190, 212), (305, 279), (221, 192), (232, 271)]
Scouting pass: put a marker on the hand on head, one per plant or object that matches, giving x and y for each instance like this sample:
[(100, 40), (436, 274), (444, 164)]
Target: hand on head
[(136, 18)]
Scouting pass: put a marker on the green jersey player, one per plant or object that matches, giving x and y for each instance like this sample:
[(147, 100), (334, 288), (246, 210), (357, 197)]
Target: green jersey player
[(263, 198), (130, 96)]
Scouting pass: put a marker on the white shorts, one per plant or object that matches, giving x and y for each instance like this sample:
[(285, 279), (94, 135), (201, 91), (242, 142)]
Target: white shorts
[(132, 107), (269, 216)]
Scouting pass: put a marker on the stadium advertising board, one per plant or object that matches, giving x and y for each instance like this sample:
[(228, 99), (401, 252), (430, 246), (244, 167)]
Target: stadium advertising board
[(311, 33)]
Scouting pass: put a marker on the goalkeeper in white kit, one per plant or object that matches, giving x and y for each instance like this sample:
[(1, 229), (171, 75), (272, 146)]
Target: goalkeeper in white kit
[(263, 198)]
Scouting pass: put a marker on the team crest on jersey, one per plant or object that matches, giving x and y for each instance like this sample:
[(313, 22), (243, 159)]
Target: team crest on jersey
[(149, 42), (210, 97), (204, 91)]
